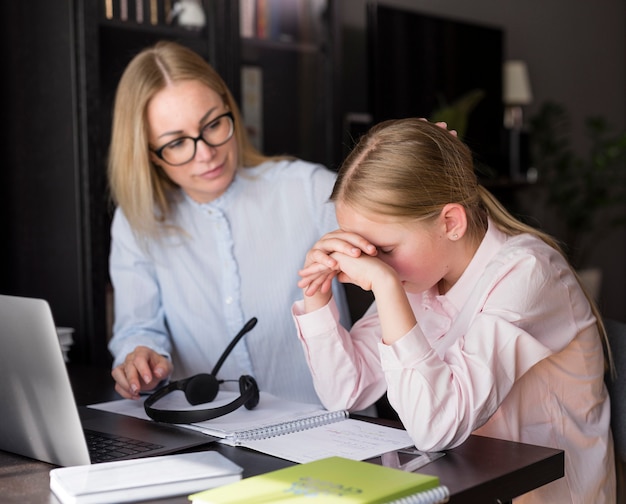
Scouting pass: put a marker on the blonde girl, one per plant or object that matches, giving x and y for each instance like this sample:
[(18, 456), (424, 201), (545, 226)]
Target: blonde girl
[(480, 326)]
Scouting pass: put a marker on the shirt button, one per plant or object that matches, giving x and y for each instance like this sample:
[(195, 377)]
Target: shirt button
[(229, 300)]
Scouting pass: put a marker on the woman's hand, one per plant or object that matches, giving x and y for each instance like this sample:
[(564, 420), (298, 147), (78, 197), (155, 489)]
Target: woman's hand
[(142, 370), (443, 125)]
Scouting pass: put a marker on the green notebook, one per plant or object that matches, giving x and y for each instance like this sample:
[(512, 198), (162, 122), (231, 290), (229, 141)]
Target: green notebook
[(328, 480)]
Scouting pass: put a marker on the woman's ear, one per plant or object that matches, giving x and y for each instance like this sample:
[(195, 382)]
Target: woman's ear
[(454, 220)]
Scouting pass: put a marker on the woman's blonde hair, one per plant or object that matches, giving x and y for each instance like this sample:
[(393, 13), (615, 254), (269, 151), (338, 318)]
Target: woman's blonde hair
[(138, 186), (411, 168)]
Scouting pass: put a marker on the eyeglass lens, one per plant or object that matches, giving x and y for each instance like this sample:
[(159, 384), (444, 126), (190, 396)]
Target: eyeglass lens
[(183, 150)]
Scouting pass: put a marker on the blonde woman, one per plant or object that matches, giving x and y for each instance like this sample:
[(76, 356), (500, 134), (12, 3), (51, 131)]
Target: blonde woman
[(207, 233), (479, 325)]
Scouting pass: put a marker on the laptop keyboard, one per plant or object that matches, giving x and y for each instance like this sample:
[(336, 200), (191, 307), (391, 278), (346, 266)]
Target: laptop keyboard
[(104, 448)]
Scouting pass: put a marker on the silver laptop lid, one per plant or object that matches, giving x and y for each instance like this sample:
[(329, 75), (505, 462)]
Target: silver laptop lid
[(39, 415)]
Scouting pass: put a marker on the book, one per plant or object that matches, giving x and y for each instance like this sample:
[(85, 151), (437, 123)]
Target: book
[(247, 18), (252, 103), (143, 478), (66, 340), (294, 431), (328, 480)]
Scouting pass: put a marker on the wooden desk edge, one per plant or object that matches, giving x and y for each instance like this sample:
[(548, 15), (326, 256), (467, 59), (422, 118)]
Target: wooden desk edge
[(548, 466), (506, 488)]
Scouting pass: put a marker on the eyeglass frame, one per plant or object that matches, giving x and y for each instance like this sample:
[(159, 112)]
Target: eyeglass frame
[(159, 151)]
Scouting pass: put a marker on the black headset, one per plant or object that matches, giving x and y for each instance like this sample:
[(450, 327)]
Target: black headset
[(203, 388)]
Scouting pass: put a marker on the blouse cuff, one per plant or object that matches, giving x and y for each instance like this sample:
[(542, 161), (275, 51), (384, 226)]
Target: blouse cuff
[(407, 352), (320, 321)]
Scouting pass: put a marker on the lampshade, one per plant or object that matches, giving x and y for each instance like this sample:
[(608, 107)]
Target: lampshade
[(516, 84)]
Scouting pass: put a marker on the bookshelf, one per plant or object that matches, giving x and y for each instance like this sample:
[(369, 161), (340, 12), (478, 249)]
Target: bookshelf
[(287, 68)]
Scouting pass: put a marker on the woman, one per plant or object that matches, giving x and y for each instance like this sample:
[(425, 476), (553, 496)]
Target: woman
[(479, 326), (207, 233)]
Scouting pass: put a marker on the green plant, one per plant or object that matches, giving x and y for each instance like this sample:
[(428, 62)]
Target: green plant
[(456, 114), (588, 193)]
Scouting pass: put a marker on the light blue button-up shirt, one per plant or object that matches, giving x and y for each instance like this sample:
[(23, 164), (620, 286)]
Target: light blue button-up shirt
[(188, 294)]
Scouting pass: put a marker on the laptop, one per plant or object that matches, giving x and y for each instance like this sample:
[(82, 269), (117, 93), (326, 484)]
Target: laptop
[(40, 418)]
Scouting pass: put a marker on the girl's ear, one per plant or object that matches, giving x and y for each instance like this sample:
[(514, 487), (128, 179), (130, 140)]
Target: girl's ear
[(455, 220)]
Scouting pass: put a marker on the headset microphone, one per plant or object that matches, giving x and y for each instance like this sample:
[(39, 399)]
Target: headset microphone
[(249, 325), (203, 388)]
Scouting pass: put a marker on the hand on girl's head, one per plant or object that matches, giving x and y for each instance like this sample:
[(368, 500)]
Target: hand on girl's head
[(443, 125)]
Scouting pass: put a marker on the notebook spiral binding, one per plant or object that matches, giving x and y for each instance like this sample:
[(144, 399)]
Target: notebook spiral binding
[(437, 495), (287, 427)]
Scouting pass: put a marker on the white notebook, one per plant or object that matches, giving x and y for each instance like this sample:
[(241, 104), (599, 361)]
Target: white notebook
[(144, 478), (290, 430)]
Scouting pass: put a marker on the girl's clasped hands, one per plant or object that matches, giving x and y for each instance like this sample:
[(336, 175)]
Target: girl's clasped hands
[(348, 256)]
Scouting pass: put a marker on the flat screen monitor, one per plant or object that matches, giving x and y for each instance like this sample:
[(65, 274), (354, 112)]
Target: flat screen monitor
[(419, 63)]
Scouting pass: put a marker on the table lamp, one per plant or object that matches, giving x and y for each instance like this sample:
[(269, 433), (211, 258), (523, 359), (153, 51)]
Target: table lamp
[(516, 93)]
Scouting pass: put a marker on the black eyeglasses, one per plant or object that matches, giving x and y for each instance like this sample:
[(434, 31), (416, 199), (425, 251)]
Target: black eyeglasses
[(182, 150)]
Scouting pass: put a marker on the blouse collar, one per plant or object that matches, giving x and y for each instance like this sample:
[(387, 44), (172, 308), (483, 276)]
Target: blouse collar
[(489, 246), (218, 204)]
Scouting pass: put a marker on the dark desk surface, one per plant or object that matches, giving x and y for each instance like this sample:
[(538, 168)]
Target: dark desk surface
[(481, 470)]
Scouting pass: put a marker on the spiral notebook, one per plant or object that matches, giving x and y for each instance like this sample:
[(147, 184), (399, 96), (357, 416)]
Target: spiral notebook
[(290, 430), (437, 495)]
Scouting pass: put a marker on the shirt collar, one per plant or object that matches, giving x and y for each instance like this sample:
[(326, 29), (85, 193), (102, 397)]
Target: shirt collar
[(489, 246), (220, 203)]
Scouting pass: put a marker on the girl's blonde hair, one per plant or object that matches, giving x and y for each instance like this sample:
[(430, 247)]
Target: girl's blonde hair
[(411, 168), (139, 187)]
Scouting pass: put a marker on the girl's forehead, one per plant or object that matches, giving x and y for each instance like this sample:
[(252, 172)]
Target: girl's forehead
[(359, 213), (366, 222), (378, 228)]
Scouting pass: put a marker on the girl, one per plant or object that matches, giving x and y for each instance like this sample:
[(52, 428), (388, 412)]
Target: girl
[(479, 324)]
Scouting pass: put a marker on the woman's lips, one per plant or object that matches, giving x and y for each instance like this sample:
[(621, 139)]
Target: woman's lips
[(212, 173)]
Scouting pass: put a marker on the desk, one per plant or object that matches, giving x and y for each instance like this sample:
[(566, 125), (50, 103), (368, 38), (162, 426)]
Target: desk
[(482, 470)]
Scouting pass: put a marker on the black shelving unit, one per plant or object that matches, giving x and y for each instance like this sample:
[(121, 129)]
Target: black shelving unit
[(292, 43)]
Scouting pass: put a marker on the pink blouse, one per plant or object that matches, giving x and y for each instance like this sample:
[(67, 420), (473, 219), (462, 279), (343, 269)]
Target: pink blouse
[(512, 351)]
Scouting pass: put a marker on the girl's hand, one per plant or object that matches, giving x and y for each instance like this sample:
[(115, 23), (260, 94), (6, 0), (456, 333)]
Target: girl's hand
[(373, 274), (142, 370), (369, 273), (320, 267)]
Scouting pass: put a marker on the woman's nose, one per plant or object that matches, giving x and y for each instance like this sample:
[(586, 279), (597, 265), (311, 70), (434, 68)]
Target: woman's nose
[(204, 150)]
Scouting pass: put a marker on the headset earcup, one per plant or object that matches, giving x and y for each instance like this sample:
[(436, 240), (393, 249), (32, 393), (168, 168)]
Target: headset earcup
[(201, 388), (248, 386)]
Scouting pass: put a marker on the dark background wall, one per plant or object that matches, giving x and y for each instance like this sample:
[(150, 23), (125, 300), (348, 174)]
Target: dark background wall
[(576, 55)]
